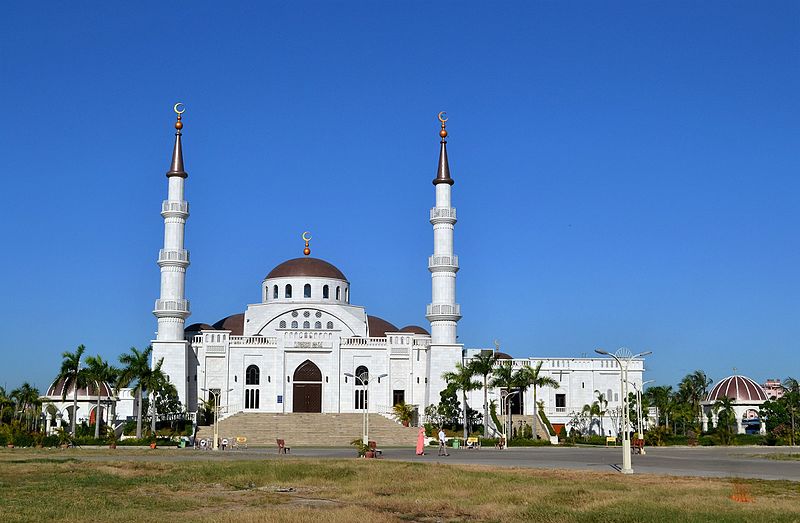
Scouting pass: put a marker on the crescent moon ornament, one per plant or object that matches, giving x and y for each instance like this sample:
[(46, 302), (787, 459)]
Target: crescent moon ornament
[(304, 236), (177, 110), (441, 116)]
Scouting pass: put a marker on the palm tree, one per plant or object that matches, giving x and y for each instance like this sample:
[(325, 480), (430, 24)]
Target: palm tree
[(602, 408), (98, 371), (482, 365), (694, 389), (726, 418), (136, 367), (591, 411), (504, 377), (791, 391), (154, 382), (661, 396), (26, 399), (6, 403), (533, 377), (462, 380), (74, 376)]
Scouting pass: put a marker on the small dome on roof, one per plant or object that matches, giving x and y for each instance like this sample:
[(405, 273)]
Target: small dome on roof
[(197, 327), (378, 327), (415, 329), (56, 390), (503, 356), (306, 267), (741, 389), (233, 323)]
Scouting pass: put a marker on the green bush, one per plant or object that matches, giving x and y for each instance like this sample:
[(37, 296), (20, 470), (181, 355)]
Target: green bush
[(749, 439), (528, 442), (707, 441)]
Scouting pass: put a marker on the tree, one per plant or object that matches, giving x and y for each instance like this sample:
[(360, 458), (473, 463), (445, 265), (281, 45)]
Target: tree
[(74, 375), (601, 405), (136, 368), (98, 371), (504, 377), (726, 419), (533, 376), (157, 384), (661, 397), (791, 395), (693, 389), (461, 379), (482, 365), (6, 406)]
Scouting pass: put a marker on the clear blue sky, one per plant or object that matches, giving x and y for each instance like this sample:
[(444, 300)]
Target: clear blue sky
[(626, 172)]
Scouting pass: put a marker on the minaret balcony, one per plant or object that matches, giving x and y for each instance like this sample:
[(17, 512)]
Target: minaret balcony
[(443, 263), (172, 308), (174, 208), (443, 215), (443, 312), (179, 257)]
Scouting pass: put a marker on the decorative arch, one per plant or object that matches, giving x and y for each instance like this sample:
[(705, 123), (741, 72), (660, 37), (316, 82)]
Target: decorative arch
[(307, 389), (307, 371)]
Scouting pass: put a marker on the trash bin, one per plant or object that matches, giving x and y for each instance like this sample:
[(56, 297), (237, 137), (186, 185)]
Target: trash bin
[(456, 443), (182, 444)]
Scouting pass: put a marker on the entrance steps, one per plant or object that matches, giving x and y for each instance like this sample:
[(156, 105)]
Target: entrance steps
[(302, 429)]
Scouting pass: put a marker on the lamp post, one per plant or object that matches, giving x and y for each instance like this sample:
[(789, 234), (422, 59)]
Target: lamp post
[(506, 407), (217, 394), (364, 379), (624, 357)]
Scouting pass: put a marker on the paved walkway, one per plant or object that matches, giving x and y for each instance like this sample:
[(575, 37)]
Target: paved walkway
[(677, 461)]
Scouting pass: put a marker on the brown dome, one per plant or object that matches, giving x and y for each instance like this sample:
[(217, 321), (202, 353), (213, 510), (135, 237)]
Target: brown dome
[(197, 327), (503, 356), (306, 267), (741, 389), (233, 323), (415, 329), (378, 327), (56, 390)]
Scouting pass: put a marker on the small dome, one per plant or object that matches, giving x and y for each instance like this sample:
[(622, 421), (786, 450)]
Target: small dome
[(233, 323), (741, 389), (56, 390), (378, 327), (197, 327), (306, 267), (503, 356), (415, 329)]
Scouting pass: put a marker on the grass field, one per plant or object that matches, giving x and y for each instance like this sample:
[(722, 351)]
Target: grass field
[(87, 485)]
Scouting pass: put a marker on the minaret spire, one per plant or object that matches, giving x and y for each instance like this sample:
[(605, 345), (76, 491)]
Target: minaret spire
[(443, 174), (172, 307)]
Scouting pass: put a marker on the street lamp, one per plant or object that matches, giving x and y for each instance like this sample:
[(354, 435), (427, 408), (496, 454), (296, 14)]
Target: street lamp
[(216, 393), (624, 357), (505, 406), (364, 379)]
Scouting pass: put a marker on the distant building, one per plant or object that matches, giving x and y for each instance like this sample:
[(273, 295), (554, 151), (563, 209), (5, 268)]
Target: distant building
[(774, 389)]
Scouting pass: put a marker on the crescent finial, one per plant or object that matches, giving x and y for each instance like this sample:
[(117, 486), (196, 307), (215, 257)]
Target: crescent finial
[(177, 110), (304, 236), (441, 117)]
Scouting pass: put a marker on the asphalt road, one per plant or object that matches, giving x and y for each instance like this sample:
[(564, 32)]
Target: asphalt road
[(744, 462)]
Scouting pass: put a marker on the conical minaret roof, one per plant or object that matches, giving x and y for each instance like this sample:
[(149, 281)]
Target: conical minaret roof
[(176, 169), (443, 173)]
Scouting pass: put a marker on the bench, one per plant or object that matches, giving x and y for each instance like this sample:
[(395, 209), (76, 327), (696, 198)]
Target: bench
[(611, 439), (282, 448), (373, 446), (473, 443)]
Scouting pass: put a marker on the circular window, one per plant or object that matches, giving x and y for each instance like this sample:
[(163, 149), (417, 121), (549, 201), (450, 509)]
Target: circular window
[(306, 314), (318, 315), (294, 314)]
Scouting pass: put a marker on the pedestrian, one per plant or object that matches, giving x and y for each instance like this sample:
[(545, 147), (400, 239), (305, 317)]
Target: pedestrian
[(421, 441), (442, 443)]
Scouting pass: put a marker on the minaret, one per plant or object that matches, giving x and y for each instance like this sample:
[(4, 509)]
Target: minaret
[(172, 307), (443, 312)]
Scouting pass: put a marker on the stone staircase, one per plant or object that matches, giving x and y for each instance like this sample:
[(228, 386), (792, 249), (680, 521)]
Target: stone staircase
[(311, 429)]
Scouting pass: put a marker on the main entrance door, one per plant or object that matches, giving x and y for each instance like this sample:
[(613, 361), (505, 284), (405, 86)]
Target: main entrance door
[(307, 390)]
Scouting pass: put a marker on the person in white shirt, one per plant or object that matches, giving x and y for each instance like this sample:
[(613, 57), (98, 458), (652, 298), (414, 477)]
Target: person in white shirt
[(442, 443)]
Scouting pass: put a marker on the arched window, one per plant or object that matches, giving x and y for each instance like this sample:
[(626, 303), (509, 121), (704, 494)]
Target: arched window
[(274, 292), (252, 375), (330, 325), (325, 293), (294, 324), (338, 294), (347, 295), (362, 379), (288, 293), (282, 324), (318, 325), (307, 290), (362, 373), (306, 325)]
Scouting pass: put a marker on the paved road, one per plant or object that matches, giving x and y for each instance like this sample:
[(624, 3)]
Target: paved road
[(677, 461)]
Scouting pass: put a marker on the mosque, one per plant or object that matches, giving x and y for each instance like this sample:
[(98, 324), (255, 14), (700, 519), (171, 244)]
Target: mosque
[(306, 347)]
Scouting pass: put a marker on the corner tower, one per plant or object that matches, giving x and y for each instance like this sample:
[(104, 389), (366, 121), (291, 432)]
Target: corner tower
[(443, 311), (172, 307)]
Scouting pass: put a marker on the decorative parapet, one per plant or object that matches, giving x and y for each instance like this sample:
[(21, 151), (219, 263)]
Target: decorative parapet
[(443, 312), (363, 343), (172, 308), (443, 215)]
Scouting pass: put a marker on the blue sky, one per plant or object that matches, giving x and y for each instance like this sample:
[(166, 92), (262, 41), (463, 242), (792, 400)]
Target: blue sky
[(626, 172)]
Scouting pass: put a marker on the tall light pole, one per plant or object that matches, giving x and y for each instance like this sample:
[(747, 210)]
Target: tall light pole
[(624, 357), (364, 379), (639, 414), (505, 406), (217, 394)]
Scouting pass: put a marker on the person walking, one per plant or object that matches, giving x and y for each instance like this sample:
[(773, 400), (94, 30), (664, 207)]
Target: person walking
[(442, 443), (421, 441)]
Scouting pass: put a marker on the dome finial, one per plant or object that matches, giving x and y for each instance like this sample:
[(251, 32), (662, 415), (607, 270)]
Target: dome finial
[(306, 251), (176, 167), (443, 119), (443, 173)]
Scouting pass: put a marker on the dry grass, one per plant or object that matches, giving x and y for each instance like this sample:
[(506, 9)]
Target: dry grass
[(39, 486)]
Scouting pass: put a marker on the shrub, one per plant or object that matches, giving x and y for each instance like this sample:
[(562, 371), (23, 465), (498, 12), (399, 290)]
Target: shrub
[(528, 442)]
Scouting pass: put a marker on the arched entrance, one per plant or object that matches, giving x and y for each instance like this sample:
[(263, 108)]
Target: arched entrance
[(307, 391)]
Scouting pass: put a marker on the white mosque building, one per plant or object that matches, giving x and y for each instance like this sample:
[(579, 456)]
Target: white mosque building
[(305, 347)]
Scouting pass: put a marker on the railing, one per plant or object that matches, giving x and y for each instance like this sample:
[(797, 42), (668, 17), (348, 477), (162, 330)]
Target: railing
[(561, 410), (399, 351), (438, 308), (254, 341), (443, 212), (363, 342), (181, 255), (175, 206), (422, 343), (215, 349), (448, 261), (172, 305)]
